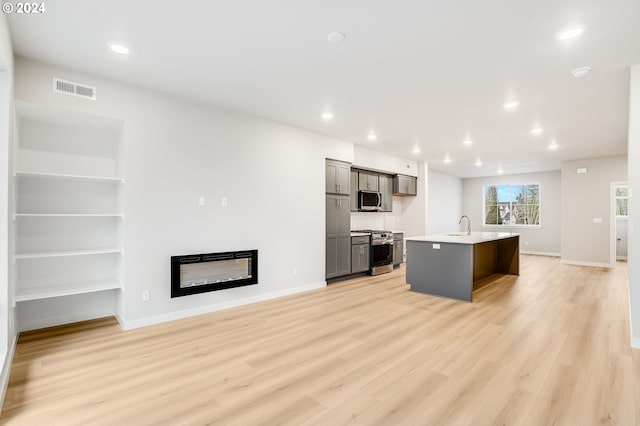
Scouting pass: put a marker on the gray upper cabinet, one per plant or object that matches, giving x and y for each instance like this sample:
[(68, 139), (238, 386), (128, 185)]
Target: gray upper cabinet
[(338, 233), (337, 177), (404, 185), (367, 181), (354, 190), (386, 188)]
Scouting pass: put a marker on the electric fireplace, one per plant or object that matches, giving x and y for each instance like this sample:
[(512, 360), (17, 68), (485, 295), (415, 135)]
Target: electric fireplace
[(199, 273)]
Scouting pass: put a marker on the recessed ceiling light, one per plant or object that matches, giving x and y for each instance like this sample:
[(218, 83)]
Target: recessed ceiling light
[(467, 142), (118, 48), (537, 130), (478, 162), (327, 116), (510, 105), (336, 37), (372, 136), (553, 146), (581, 72), (570, 33), (416, 150), (447, 159), (500, 171)]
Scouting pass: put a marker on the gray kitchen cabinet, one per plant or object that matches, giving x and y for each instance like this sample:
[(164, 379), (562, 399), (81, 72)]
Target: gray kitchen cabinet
[(398, 248), (386, 188), (338, 233), (359, 254), (367, 181), (404, 185), (354, 190), (337, 177)]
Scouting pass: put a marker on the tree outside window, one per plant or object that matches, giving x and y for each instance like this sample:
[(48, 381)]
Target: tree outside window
[(508, 205)]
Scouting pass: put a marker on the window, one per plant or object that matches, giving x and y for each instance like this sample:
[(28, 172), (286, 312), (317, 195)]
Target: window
[(622, 201), (512, 205)]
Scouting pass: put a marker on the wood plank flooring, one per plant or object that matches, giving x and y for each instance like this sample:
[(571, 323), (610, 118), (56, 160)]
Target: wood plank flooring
[(550, 347)]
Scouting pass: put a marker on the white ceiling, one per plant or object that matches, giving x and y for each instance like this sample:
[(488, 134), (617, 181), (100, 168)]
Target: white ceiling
[(417, 72)]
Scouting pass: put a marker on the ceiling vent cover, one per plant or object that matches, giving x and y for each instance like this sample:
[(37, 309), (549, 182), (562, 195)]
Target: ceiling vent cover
[(74, 89)]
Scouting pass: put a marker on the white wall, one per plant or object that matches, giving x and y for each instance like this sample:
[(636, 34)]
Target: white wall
[(414, 213), (633, 256), (369, 159), (444, 205), (176, 151), (7, 333), (586, 197), (545, 240)]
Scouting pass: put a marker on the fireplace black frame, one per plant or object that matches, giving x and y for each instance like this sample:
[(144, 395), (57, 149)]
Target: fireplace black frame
[(176, 261)]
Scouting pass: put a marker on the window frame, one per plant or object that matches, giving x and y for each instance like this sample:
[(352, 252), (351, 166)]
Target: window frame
[(616, 198), (518, 226)]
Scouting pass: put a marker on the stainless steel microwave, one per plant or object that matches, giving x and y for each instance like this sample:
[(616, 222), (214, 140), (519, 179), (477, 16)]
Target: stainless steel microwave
[(369, 200)]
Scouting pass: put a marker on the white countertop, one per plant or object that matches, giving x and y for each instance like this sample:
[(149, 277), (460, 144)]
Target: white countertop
[(360, 234), (463, 238)]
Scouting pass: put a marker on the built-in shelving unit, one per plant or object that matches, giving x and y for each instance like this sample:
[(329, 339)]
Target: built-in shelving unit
[(68, 214)]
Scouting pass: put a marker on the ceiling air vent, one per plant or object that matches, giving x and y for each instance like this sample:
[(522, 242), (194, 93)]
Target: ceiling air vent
[(73, 88)]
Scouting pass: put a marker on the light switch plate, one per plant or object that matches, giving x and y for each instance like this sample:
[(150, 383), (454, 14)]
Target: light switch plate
[(597, 220), (436, 246), (201, 200)]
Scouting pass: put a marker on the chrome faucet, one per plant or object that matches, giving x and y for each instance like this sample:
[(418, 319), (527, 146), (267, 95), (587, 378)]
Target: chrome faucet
[(468, 223)]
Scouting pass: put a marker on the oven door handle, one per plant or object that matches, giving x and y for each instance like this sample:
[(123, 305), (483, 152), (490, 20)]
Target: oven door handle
[(379, 200)]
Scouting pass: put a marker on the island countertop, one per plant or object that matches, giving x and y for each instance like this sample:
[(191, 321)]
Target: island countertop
[(464, 238)]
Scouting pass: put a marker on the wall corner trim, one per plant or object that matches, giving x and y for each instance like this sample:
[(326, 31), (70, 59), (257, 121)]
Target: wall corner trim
[(6, 370), (540, 253), (172, 316), (581, 263)]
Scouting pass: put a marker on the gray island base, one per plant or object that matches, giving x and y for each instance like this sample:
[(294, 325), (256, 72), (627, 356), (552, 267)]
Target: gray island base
[(447, 265)]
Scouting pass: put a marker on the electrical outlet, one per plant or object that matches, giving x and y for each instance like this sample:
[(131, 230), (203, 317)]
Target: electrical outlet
[(201, 200), (295, 271), (145, 296), (224, 202)]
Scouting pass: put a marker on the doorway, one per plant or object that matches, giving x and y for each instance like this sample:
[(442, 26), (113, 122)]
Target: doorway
[(619, 221)]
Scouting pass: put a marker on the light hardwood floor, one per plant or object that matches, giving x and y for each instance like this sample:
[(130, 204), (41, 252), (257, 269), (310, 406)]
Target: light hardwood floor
[(549, 347)]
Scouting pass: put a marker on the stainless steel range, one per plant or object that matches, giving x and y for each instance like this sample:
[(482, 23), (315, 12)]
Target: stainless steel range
[(381, 251)]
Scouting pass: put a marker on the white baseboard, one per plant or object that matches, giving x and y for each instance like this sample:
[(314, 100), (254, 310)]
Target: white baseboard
[(172, 316), (6, 370), (580, 263), (621, 257), (540, 253), (62, 319)]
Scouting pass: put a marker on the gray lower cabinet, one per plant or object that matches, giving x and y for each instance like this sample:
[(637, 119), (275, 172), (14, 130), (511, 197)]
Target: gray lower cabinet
[(359, 254), (337, 177), (405, 185), (398, 247), (338, 232), (386, 188)]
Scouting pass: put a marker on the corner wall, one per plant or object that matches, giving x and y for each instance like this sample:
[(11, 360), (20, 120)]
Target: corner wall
[(586, 198), (444, 205), (7, 330), (633, 256), (175, 151)]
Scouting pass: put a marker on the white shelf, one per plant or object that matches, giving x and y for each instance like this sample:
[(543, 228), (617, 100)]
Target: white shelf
[(48, 291), (19, 174), (66, 253), (18, 215)]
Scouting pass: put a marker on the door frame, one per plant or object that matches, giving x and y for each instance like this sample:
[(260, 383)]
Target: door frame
[(613, 242)]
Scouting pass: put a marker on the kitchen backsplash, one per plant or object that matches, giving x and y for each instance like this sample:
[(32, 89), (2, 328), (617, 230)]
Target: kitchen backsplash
[(373, 220)]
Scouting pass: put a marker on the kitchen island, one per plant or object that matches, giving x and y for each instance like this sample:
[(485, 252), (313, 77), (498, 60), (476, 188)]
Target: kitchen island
[(447, 265)]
